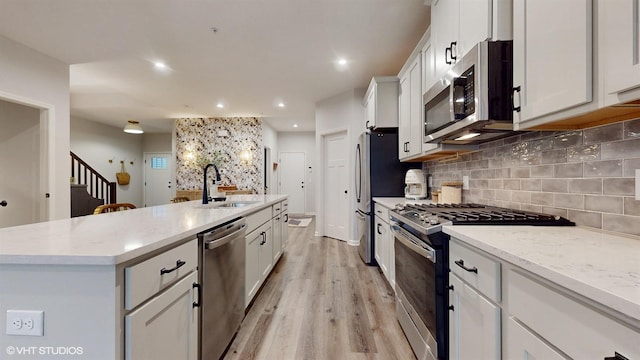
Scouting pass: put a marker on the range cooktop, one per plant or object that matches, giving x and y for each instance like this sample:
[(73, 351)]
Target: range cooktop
[(429, 215)]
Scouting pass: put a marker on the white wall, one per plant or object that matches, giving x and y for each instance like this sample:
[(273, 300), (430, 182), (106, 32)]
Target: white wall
[(97, 143), (156, 142), (303, 142), (33, 78), (338, 113)]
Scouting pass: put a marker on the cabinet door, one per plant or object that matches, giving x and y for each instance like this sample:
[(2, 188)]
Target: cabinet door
[(166, 327), (277, 237), (415, 103), (474, 25), (521, 344), (552, 57), (444, 24), (266, 252), (428, 67), (620, 44), (252, 265), (474, 324), (392, 257), (284, 228), (370, 111), (381, 245), (404, 116)]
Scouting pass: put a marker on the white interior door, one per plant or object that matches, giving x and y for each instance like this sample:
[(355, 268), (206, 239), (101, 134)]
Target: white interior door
[(20, 173), (335, 186), (292, 180), (158, 189)]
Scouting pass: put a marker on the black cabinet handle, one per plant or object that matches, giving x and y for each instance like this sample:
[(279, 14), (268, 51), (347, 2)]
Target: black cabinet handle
[(3, 203), (199, 287), (264, 238), (461, 264), (616, 356), (378, 229), (446, 58), (366, 125), (450, 287), (451, 48), (451, 308), (179, 264), (286, 217), (513, 97)]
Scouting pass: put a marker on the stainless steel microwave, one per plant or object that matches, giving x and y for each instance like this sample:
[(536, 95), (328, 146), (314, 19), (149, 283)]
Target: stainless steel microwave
[(472, 102)]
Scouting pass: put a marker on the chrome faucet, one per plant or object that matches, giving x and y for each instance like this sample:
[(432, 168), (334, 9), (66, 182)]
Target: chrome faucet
[(205, 196)]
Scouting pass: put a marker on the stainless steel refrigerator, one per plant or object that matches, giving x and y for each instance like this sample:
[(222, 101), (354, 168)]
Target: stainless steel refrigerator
[(379, 173)]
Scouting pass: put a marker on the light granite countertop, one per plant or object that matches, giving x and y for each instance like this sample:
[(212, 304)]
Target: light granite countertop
[(390, 202), (599, 266), (113, 238)]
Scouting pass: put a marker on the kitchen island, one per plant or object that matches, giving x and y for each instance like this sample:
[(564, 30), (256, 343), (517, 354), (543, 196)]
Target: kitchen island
[(83, 273)]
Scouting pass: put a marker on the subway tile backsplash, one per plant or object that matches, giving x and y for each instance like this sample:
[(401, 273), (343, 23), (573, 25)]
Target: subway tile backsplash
[(586, 175)]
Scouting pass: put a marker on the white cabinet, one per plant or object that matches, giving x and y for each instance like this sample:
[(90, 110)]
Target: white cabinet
[(166, 327), (383, 244), (524, 345), (410, 109), (457, 26), (552, 57), (429, 77), (284, 224), (277, 237), (474, 316), (381, 103), (619, 44), (259, 259)]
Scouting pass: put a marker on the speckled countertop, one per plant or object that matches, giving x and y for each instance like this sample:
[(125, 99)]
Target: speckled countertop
[(599, 266), (113, 238)]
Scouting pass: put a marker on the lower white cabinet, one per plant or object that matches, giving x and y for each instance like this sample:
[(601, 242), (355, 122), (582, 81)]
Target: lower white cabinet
[(383, 244), (259, 259), (277, 237), (474, 323), (166, 327), (521, 344)]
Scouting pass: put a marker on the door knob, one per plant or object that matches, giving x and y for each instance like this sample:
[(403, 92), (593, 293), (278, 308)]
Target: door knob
[(345, 191), (3, 203)]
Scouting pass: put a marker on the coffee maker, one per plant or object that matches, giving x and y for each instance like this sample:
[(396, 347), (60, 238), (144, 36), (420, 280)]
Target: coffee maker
[(416, 184)]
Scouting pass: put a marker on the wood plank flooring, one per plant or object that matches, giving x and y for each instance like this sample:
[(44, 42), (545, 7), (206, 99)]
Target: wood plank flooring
[(321, 302)]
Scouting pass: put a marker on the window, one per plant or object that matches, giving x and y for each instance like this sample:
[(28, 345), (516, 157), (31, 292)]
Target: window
[(158, 163)]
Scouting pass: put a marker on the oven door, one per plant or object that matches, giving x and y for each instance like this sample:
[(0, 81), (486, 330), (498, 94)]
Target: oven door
[(415, 264)]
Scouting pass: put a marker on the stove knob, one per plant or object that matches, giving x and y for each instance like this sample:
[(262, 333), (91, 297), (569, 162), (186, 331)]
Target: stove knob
[(434, 221)]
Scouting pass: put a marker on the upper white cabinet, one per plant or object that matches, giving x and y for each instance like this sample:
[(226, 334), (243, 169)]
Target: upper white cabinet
[(619, 44), (410, 111), (381, 103), (458, 25), (552, 56)]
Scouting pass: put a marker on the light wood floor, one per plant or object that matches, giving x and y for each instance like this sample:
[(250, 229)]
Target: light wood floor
[(321, 302)]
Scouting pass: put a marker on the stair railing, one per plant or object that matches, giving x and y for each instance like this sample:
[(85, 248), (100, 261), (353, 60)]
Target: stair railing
[(97, 185)]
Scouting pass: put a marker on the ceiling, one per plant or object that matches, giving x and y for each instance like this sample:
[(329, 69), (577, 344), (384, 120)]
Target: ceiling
[(262, 52)]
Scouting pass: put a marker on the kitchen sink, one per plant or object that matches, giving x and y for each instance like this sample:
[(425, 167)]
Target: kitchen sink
[(225, 204)]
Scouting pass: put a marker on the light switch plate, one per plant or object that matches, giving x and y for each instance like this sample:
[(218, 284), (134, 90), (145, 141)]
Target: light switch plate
[(465, 182), (637, 184)]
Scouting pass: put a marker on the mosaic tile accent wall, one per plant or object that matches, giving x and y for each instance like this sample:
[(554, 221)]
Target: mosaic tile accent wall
[(205, 138), (587, 176)]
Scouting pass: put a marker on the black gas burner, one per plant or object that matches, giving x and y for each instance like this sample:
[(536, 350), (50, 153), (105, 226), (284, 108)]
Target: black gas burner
[(477, 214)]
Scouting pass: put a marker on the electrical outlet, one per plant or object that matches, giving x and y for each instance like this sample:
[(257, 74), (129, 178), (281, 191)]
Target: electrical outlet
[(25, 322), (465, 182)]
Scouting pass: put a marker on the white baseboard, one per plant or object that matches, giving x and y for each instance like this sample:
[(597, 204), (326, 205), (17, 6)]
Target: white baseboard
[(353, 242)]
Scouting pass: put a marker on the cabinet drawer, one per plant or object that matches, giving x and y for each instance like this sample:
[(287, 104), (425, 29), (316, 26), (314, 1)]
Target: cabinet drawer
[(145, 279), (578, 330), (276, 209), (258, 218), (482, 272), (382, 212), (285, 206)]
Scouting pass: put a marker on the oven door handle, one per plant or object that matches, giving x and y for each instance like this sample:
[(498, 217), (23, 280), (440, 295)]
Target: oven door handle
[(415, 245)]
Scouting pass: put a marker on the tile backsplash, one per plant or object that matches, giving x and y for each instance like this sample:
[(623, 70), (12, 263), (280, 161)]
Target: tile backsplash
[(587, 176)]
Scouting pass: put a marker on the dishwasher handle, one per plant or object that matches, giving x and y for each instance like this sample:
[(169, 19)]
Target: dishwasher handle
[(225, 239)]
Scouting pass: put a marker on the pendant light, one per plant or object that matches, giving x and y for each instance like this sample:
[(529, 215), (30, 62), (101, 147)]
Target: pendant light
[(133, 128)]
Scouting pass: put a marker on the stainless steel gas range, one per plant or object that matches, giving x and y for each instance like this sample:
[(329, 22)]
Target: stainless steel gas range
[(422, 265)]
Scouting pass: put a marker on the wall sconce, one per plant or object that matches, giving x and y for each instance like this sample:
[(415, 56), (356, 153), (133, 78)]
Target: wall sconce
[(245, 157)]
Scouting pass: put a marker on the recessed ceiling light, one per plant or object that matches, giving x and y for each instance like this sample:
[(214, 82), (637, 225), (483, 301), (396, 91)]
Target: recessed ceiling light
[(295, 125), (220, 106), (281, 104), (342, 61), (159, 65)]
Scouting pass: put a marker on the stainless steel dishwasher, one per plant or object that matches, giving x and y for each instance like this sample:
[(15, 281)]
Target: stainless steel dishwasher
[(221, 271)]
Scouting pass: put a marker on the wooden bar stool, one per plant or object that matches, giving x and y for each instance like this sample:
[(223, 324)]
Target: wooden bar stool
[(113, 207)]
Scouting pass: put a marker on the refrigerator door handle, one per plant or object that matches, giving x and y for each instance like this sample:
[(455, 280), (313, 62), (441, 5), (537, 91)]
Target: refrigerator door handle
[(358, 173)]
